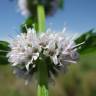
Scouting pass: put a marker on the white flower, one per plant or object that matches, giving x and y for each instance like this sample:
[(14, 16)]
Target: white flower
[(26, 49), (22, 4)]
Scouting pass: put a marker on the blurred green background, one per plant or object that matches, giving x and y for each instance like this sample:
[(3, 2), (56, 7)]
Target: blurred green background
[(80, 80)]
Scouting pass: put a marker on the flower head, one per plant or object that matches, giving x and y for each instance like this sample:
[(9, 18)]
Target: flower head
[(23, 7), (28, 7), (27, 48)]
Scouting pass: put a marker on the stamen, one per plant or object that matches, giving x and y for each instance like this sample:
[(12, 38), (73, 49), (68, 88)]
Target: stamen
[(26, 27), (74, 62), (64, 29), (78, 45), (11, 37)]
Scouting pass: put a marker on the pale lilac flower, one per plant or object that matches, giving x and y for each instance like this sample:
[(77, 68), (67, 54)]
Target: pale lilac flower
[(22, 4), (27, 48)]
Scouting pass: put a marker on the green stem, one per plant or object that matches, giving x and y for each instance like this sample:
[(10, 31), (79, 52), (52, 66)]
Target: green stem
[(42, 72), (42, 67), (42, 78), (42, 91), (41, 18)]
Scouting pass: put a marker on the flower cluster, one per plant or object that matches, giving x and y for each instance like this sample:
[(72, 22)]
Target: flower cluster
[(28, 7), (22, 4), (27, 48)]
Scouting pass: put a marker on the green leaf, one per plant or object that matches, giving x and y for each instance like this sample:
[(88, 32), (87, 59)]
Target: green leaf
[(90, 40), (4, 47), (3, 52), (31, 22), (3, 60)]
